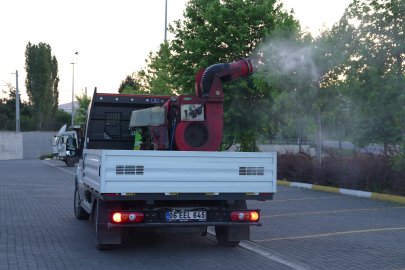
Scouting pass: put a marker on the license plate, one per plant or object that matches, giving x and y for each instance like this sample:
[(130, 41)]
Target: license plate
[(186, 216)]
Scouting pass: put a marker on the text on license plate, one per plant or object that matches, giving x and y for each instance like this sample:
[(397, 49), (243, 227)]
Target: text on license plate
[(186, 216)]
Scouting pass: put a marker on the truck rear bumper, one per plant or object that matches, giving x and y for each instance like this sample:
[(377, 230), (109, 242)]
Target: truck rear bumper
[(157, 219), (184, 224)]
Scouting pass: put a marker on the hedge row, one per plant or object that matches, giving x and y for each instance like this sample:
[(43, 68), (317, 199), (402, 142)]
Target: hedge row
[(367, 172)]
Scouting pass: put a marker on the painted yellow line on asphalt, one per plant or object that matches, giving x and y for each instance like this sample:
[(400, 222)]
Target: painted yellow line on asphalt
[(327, 212), (299, 199), (329, 234)]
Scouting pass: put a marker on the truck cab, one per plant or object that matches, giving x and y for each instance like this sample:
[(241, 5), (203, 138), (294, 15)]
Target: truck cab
[(60, 143)]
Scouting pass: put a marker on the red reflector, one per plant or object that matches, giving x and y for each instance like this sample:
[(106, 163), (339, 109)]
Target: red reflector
[(245, 216), (111, 194), (126, 217), (266, 194)]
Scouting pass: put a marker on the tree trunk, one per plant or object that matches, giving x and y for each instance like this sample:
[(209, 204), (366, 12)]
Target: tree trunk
[(299, 134), (385, 148), (319, 144), (403, 132), (255, 148), (340, 141)]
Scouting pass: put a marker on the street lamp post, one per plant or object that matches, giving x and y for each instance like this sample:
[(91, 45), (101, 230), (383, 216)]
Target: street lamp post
[(73, 88), (166, 21), (17, 100), (17, 104)]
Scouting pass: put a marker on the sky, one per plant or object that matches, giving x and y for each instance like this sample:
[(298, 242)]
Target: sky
[(113, 38)]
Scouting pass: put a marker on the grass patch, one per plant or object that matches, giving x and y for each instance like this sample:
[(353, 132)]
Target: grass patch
[(345, 152), (42, 157)]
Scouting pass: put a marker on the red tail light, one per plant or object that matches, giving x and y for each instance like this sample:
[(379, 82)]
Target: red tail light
[(245, 216), (124, 217)]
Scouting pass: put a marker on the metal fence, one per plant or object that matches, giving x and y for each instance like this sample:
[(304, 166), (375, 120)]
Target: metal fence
[(281, 140), (26, 126)]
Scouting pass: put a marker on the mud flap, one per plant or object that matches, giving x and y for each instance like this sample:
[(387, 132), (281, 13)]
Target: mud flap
[(105, 235), (237, 233)]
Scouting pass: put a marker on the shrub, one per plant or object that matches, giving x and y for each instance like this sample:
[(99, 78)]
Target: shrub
[(42, 157), (364, 171)]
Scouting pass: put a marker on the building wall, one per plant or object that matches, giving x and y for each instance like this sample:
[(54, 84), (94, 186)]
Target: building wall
[(22, 145), (36, 144), (11, 146)]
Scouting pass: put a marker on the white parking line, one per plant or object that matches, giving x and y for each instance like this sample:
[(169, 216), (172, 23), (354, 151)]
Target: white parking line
[(249, 245), (59, 167)]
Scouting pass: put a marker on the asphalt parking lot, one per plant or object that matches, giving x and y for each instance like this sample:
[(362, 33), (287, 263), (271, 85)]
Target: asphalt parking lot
[(302, 229)]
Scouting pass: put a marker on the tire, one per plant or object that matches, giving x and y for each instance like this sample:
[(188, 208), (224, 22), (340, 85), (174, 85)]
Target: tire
[(94, 217), (80, 213), (222, 234), (105, 246), (71, 161)]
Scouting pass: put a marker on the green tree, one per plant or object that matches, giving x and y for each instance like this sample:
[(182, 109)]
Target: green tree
[(129, 84), (216, 32), (81, 111), (63, 117), (8, 110), (305, 71), (42, 81), (375, 73), (156, 78)]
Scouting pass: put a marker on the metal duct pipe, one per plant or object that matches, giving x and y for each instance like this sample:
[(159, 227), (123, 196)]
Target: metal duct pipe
[(208, 76), (246, 69)]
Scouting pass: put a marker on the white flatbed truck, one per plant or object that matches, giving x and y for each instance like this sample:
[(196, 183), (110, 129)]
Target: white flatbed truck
[(167, 191)]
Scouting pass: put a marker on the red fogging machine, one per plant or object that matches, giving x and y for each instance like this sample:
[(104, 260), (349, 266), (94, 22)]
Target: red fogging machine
[(189, 122)]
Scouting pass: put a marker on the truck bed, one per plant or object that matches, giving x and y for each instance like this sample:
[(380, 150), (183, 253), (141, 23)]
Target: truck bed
[(131, 171)]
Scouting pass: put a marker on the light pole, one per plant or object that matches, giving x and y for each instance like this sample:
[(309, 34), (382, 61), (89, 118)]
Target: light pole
[(17, 104), (17, 100), (73, 88), (166, 21)]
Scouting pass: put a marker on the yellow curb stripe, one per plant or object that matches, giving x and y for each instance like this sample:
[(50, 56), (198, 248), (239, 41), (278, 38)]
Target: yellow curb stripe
[(283, 183), (324, 188), (377, 196), (329, 234), (385, 197), (290, 189), (327, 212)]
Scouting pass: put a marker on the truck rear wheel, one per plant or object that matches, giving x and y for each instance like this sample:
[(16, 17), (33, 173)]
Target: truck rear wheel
[(80, 213), (222, 234), (106, 246), (106, 238)]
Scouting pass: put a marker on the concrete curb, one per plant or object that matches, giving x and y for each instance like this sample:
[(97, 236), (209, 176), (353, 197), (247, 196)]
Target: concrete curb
[(364, 194)]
